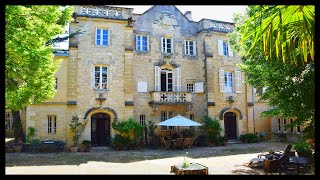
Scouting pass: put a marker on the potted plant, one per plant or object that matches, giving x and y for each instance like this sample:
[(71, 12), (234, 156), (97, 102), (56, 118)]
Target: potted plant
[(77, 129), (303, 149), (85, 146), (224, 140)]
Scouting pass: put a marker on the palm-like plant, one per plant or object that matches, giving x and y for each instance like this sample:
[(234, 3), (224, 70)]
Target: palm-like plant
[(287, 34)]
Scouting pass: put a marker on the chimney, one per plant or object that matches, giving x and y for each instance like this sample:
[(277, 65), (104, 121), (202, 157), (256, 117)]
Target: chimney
[(188, 15)]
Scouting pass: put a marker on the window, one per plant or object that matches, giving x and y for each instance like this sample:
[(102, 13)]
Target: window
[(224, 49), (298, 129), (192, 116), (190, 47), (279, 125), (102, 37), (227, 83), (164, 116), (142, 43), (8, 121), (167, 45), (101, 77), (56, 85), (260, 91), (143, 120), (291, 129), (282, 122), (167, 80), (52, 124), (190, 88)]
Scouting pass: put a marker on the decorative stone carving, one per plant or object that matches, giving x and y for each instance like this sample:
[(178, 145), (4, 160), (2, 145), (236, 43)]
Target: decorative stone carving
[(166, 20)]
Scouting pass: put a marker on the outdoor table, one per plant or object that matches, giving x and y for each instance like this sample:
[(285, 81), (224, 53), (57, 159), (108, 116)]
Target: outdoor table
[(299, 161), (192, 169)]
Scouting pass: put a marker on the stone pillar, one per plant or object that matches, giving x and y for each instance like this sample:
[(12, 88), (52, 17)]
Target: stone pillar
[(128, 71)]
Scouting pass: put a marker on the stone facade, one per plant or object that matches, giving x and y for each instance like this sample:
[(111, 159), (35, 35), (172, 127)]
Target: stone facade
[(133, 75)]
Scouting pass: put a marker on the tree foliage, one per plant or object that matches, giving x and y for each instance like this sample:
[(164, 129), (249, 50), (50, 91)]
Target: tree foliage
[(29, 65), (287, 33), (290, 87)]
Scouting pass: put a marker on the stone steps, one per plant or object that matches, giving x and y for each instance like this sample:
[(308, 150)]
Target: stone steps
[(234, 141), (100, 148)]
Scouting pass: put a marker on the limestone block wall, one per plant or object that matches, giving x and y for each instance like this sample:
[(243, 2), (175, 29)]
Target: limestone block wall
[(216, 62), (37, 117), (144, 62), (62, 76)]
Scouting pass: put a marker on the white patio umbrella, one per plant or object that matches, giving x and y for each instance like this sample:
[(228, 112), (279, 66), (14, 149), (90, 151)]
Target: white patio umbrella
[(179, 121)]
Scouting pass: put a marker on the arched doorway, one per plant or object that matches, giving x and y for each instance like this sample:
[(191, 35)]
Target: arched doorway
[(100, 129), (230, 125)]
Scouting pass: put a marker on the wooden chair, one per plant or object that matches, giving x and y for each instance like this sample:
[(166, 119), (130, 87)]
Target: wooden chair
[(278, 163), (260, 161), (187, 142), (165, 144), (179, 143)]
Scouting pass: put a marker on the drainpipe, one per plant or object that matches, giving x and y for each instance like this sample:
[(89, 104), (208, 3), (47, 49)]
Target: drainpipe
[(254, 126), (205, 75)]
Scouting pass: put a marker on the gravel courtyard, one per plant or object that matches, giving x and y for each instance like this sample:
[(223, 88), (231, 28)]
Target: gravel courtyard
[(230, 159)]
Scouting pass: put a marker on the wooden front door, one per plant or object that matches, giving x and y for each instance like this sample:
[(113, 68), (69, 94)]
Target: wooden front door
[(230, 125), (100, 129)]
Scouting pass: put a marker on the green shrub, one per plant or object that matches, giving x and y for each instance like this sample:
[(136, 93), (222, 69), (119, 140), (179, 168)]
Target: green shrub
[(211, 127), (35, 141), (303, 148), (30, 134), (251, 138), (187, 133), (86, 143)]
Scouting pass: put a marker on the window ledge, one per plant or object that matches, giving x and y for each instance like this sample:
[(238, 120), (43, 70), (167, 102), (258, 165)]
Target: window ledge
[(142, 52), (102, 90)]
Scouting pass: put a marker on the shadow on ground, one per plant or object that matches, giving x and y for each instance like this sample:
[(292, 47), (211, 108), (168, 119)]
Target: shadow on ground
[(110, 155)]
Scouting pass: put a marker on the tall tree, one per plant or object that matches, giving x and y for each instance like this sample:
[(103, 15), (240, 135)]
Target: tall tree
[(290, 84), (29, 65)]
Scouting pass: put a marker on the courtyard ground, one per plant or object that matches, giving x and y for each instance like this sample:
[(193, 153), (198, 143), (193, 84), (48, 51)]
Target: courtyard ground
[(230, 159)]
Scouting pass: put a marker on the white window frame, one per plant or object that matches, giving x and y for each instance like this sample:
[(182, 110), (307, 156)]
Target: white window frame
[(279, 124), (238, 81), (100, 38), (228, 81), (139, 43), (164, 45), (190, 87), (187, 47), (224, 49), (164, 116), (284, 122), (291, 130), (142, 120), (52, 124), (176, 79), (8, 121), (100, 85)]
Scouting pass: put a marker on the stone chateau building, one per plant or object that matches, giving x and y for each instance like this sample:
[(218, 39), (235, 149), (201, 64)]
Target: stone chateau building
[(149, 66)]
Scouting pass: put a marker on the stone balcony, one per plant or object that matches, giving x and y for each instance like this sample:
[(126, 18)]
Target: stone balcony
[(170, 97)]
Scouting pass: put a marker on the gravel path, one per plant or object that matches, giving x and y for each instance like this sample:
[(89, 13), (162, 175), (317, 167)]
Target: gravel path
[(230, 159)]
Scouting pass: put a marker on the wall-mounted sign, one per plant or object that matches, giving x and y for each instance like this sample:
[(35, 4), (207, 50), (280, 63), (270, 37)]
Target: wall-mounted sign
[(105, 12)]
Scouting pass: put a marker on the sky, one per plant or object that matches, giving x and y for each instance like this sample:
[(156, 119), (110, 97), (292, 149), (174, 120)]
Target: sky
[(216, 12)]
